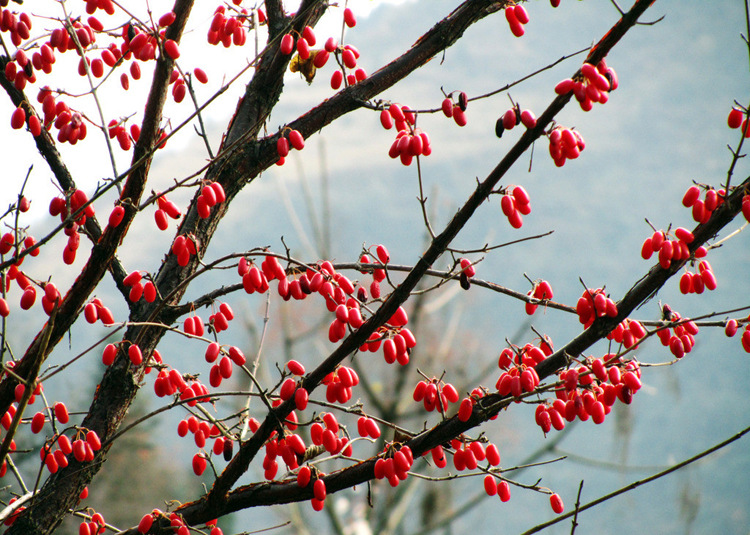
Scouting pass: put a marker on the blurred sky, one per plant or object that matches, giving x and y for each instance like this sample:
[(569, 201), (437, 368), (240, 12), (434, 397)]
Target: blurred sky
[(663, 128)]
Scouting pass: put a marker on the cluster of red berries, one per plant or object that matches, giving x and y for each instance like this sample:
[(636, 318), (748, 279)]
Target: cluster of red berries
[(117, 130), (670, 250), (737, 118), (516, 17), (167, 209), (183, 248), (303, 44), (8, 242), (517, 380), (94, 526), (367, 427), (20, 71), (193, 326), (456, 110), (289, 447), (18, 119), (349, 57), (514, 205), (339, 384), (229, 30), (78, 200), (565, 144), (589, 391), (327, 435), (731, 328), (594, 304), (211, 194), (702, 209), (83, 449), (628, 333), (394, 465), (542, 291), (201, 430), (176, 523), (291, 389), (137, 44), (223, 369), (595, 86), (348, 313), (466, 456), (435, 394), (397, 341), (220, 319), (378, 274), (172, 382), (19, 27), (410, 141), (295, 139), (304, 477), (137, 289), (28, 297), (514, 116), (698, 282), (254, 279), (494, 487), (680, 337), (95, 310)]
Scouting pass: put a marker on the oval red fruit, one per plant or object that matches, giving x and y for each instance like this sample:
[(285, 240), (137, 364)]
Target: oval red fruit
[(115, 218), (171, 48), (18, 118), (349, 18), (287, 44), (735, 118), (556, 503), (296, 140), (135, 355)]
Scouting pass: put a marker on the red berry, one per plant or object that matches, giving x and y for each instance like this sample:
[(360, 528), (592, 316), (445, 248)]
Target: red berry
[(171, 48), (199, 464), (459, 116), (556, 503), (92, 439), (145, 524), (509, 119), (18, 118), (282, 147), (735, 118), (28, 298), (287, 44), (521, 14), (91, 313), (348, 58), (37, 422), (200, 75), (117, 215), (303, 48), (527, 117), (337, 79), (296, 140), (503, 491), (135, 355), (319, 489), (349, 18), (309, 35), (730, 329), (303, 476)]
